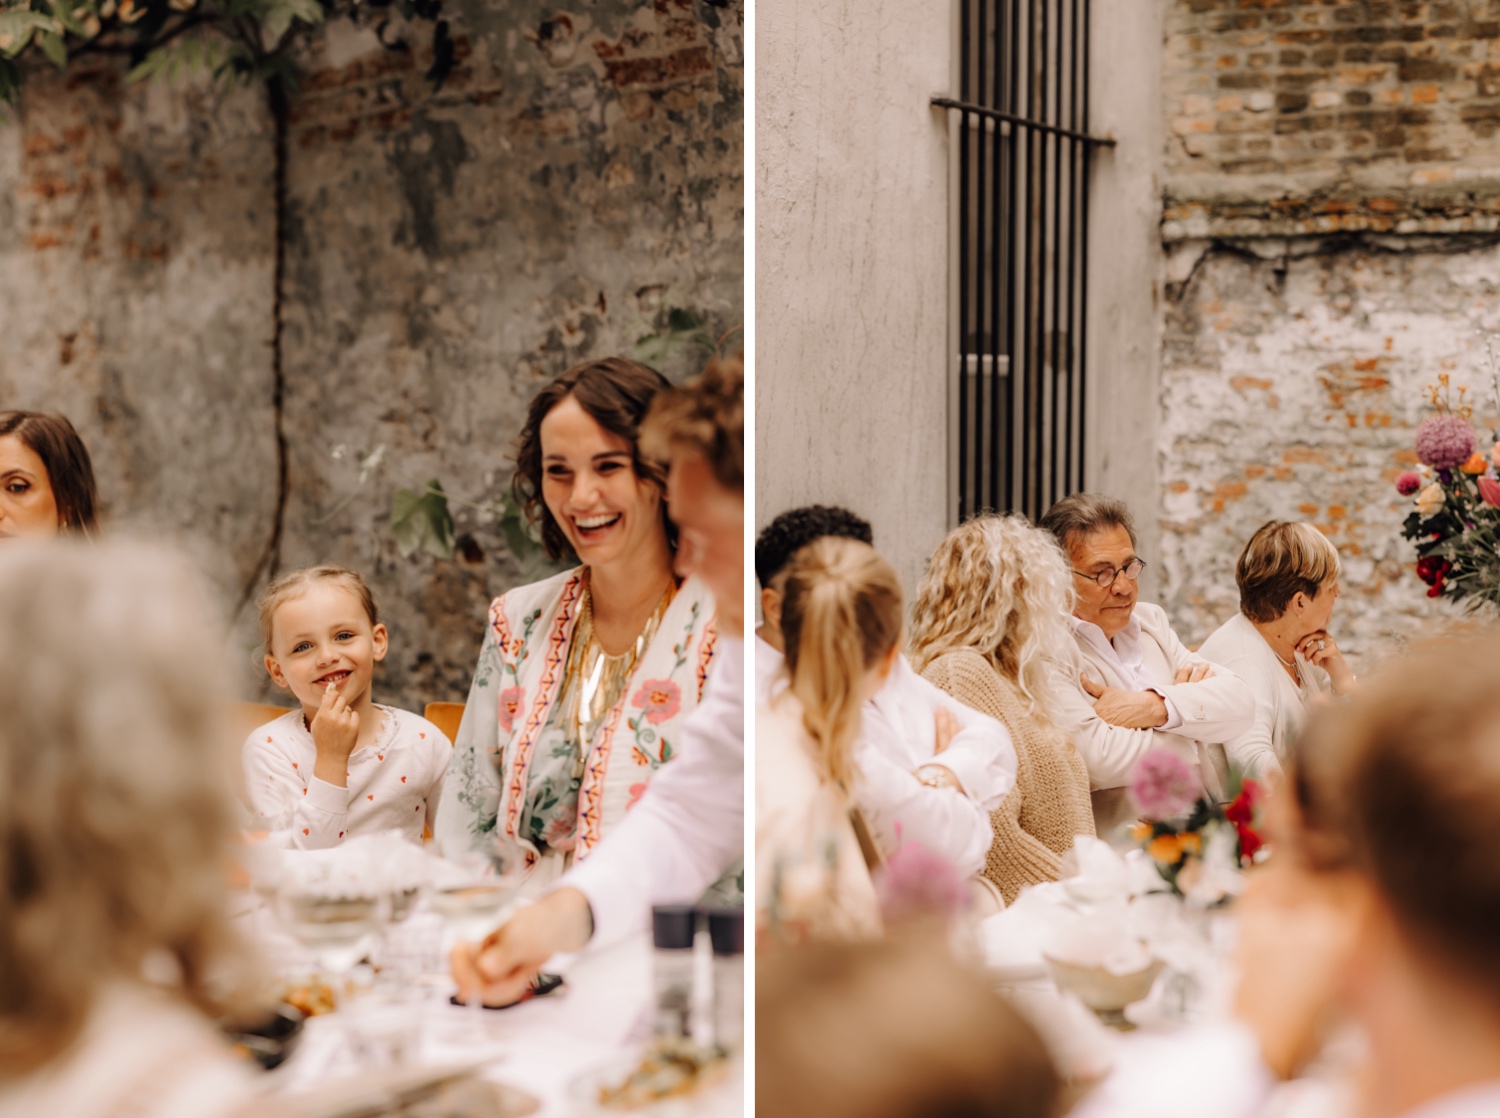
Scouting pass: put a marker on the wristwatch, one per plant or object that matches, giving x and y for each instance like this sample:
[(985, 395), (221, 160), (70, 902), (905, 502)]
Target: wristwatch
[(938, 776)]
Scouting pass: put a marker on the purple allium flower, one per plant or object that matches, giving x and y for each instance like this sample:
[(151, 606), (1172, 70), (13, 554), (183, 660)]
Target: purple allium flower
[(917, 881), (1408, 483), (1444, 442), (1445, 476), (1162, 786)]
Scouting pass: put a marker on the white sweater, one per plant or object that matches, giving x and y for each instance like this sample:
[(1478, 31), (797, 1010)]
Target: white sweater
[(1280, 704), (394, 782)]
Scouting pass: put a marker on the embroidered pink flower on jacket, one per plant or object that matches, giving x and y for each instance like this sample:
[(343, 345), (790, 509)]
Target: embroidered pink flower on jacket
[(636, 792), (659, 698), (512, 700)]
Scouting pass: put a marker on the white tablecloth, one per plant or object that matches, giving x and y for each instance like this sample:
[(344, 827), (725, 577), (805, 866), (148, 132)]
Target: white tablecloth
[(544, 1047)]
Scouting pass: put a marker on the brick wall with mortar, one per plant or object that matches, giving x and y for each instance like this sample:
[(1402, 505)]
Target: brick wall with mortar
[(1331, 191), (580, 174)]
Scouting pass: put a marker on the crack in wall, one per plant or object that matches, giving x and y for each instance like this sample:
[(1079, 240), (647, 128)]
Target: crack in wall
[(269, 561)]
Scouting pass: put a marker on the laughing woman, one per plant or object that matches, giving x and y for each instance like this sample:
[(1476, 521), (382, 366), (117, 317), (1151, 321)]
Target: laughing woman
[(584, 678)]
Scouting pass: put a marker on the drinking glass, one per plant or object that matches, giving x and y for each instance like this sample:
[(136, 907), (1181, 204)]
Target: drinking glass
[(473, 908)]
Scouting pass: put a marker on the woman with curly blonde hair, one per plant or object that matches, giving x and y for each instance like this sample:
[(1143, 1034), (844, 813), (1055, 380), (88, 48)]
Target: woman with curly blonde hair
[(989, 623)]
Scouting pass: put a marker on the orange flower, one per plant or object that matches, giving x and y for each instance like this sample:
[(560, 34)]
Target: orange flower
[(1192, 842), (1166, 849), (1140, 831), (1475, 465)]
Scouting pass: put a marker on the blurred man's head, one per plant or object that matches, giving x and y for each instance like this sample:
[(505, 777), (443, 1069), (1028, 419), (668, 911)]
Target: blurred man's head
[(891, 1029), (788, 534), (699, 429)]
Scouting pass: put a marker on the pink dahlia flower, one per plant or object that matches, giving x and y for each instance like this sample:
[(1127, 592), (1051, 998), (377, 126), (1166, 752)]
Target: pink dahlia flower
[(1445, 442), (1408, 483), (1162, 786)]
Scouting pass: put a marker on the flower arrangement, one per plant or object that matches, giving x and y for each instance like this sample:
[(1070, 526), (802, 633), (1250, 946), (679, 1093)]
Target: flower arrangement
[(1456, 491), (1197, 844)]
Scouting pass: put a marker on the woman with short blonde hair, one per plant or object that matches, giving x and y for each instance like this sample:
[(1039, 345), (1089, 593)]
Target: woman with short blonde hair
[(989, 624), (1278, 643), (115, 824)]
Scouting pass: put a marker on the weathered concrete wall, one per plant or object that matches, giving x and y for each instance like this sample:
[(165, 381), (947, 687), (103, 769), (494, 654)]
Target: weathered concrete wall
[(852, 266), (579, 176), (1332, 179), (1291, 388)]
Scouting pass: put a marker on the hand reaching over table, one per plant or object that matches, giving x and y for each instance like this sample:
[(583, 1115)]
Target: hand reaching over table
[(504, 966)]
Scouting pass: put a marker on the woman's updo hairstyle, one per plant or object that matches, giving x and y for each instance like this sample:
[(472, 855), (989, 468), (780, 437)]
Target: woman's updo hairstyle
[(841, 612), (617, 393)]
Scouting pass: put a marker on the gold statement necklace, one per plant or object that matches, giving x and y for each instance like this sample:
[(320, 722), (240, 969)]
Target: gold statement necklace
[(593, 680)]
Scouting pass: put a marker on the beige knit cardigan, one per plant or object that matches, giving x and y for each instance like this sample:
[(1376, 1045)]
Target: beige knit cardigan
[(1034, 825)]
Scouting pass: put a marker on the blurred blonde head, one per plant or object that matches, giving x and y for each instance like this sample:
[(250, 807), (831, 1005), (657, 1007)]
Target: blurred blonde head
[(892, 1029), (841, 618), (1001, 587), (114, 804)]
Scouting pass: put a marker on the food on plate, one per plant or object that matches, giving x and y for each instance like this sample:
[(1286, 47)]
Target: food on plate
[(669, 1069)]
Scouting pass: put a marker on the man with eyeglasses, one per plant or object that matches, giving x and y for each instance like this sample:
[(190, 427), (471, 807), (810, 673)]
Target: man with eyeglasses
[(1136, 686)]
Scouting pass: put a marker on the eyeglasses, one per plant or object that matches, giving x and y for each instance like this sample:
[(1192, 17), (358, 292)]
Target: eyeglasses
[(1131, 570)]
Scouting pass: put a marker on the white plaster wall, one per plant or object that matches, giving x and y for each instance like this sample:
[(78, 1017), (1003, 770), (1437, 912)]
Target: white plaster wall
[(851, 248), (1125, 267)]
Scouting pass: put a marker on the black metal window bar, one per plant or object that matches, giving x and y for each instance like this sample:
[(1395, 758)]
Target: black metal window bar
[(1018, 391)]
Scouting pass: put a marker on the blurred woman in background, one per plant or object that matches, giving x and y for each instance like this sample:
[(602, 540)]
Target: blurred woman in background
[(115, 821), (46, 477), (990, 619)]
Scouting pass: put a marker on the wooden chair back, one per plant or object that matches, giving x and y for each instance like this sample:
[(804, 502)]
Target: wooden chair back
[(446, 717)]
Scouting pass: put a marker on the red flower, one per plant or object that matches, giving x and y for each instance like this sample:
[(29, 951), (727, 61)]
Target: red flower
[(1242, 814), (659, 698), (1433, 570), (512, 700)]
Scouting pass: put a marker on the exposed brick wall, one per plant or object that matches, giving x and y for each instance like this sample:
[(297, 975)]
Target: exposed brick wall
[(580, 172), (1333, 114), (1330, 206)]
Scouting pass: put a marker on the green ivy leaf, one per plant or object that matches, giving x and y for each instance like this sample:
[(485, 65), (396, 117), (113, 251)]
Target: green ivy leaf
[(52, 46), (17, 25), (422, 520), (280, 15)]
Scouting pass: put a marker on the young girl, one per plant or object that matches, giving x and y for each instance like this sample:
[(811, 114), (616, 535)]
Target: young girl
[(841, 618), (341, 765)]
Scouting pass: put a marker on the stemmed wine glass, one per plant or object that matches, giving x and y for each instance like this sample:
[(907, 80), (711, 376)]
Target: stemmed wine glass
[(471, 901), (338, 931)]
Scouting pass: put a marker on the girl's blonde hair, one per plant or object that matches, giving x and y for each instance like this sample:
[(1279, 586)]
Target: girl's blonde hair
[(293, 585), (1001, 587), (115, 810), (840, 614)]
